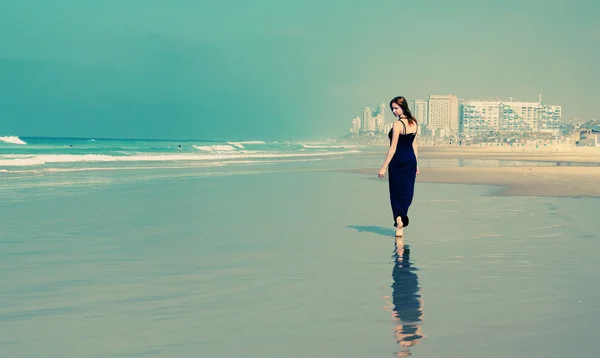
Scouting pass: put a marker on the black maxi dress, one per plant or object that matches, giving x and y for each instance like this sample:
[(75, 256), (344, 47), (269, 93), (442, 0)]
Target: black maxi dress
[(402, 172)]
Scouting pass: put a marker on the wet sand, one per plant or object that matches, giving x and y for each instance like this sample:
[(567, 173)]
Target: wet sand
[(547, 154), (532, 181), (225, 266)]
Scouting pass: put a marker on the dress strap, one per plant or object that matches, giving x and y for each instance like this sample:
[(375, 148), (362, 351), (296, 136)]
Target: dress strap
[(404, 125)]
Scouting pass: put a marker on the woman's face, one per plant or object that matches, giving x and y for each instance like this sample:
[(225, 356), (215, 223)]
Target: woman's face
[(397, 110)]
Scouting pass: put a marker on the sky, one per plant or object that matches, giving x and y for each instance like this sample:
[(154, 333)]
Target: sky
[(276, 70)]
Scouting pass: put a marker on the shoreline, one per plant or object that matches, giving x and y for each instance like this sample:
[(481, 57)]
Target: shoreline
[(576, 155), (557, 178), (555, 181), (554, 154)]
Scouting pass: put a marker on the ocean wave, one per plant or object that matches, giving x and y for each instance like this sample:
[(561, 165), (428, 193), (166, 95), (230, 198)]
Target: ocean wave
[(323, 146), (236, 144), (25, 160), (88, 169), (249, 142), (153, 167), (214, 148), (12, 140)]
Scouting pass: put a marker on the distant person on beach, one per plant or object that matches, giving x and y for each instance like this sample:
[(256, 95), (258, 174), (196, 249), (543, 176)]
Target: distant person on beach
[(401, 162)]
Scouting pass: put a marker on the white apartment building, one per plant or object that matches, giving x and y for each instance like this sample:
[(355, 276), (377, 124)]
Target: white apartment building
[(443, 113), (480, 117), (379, 118), (355, 126), (550, 119), (368, 124), (418, 108)]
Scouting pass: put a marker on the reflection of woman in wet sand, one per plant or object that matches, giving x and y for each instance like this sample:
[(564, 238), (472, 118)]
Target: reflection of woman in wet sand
[(406, 300)]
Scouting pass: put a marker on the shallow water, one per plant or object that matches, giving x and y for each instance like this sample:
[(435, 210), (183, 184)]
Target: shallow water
[(294, 262)]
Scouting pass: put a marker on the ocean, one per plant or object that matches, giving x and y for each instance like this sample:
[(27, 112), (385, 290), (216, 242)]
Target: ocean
[(64, 154), (31, 166), (128, 248)]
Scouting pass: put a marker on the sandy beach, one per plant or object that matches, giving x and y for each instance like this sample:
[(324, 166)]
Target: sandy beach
[(557, 179), (531, 181), (547, 154)]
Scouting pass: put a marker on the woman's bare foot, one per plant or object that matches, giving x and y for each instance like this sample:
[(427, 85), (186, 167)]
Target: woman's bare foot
[(399, 227)]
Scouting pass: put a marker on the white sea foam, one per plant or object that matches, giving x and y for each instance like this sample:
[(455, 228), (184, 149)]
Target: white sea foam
[(15, 160), (187, 165), (136, 167), (250, 142), (12, 140), (323, 146), (214, 148)]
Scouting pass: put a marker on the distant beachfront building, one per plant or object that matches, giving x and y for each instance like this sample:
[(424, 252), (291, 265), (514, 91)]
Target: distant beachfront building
[(370, 123), (550, 118), (443, 113), (479, 117), (418, 108), (483, 117), (379, 118), (355, 126), (520, 117)]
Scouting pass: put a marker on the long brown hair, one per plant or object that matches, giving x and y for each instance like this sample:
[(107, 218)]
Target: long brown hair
[(401, 101)]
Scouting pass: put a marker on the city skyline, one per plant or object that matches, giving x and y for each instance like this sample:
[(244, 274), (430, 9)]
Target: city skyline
[(451, 116)]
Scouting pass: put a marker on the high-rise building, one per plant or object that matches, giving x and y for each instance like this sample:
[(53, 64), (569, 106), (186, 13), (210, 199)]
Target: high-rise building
[(551, 116), (530, 117), (379, 118), (443, 113), (519, 116), (355, 126), (381, 110), (368, 124), (418, 108), (479, 117)]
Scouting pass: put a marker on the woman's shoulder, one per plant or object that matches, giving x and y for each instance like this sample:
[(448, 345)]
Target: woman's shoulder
[(399, 124), (412, 127)]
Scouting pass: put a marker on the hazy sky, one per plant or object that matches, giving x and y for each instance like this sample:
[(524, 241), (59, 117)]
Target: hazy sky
[(271, 69)]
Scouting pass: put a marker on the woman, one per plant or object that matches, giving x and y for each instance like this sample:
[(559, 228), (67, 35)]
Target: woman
[(401, 162)]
